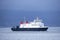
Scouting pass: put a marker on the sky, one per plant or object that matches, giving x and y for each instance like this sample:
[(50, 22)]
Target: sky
[(13, 11), (30, 5)]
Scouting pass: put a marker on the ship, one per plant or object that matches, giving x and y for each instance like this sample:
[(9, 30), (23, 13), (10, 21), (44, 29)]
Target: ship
[(35, 25)]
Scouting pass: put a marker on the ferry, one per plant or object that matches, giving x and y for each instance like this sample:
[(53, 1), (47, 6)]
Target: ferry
[(35, 25)]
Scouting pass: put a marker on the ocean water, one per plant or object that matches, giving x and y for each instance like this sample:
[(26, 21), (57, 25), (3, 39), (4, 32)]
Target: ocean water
[(53, 33)]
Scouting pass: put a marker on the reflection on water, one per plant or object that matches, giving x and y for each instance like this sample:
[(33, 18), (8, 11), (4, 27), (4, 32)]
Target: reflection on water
[(52, 33)]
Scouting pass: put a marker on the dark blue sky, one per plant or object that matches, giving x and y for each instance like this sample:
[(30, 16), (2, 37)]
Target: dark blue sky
[(13, 11)]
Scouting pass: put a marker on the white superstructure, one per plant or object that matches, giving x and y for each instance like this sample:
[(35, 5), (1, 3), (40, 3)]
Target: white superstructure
[(37, 23)]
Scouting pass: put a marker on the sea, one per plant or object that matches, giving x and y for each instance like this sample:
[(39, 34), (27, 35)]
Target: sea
[(53, 33)]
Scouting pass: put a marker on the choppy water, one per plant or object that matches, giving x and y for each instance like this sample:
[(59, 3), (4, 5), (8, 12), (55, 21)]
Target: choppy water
[(53, 33)]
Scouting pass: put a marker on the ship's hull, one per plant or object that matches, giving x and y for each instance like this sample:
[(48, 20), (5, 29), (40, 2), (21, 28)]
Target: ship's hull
[(29, 29)]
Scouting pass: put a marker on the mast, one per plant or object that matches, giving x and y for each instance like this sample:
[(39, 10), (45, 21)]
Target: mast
[(24, 20)]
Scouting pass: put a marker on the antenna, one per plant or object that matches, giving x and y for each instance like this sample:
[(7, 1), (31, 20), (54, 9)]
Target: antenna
[(24, 19), (37, 18)]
